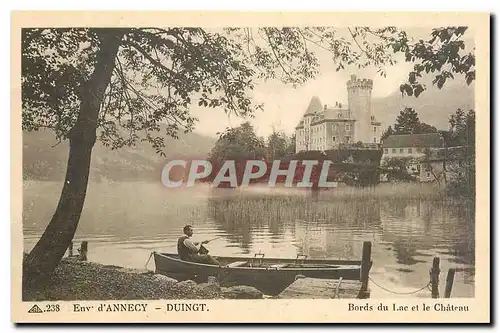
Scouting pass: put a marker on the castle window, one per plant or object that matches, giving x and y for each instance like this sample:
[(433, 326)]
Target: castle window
[(333, 138), (386, 151), (401, 150), (347, 138), (339, 115), (394, 150), (347, 127), (374, 140), (410, 150), (374, 129)]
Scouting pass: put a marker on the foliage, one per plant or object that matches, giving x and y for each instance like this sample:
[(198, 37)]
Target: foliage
[(358, 144), (462, 133), (426, 128), (290, 146), (128, 85), (238, 143), (427, 165), (463, 128), (160, 73), (188, 66), (459, 160), (443, 54), (364, 156), (397, 168), (408, 122), (276, 146), (356, 167), (387, 133)]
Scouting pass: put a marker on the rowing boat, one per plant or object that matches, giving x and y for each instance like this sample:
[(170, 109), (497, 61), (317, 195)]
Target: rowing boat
[(270, 275)]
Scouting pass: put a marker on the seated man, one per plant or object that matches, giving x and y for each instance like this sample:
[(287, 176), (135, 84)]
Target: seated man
[(190, 251)]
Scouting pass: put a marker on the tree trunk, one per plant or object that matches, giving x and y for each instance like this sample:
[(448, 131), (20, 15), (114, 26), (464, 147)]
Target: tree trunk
[(48, 252)]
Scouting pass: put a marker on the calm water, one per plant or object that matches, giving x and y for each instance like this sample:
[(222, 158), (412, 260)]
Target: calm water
[(125, 222)]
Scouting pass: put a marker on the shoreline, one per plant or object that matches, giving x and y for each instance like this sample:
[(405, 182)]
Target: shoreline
[(89, 281)]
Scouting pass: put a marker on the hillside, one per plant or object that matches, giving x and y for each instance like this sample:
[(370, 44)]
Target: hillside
[(41, 161), (434, 106)]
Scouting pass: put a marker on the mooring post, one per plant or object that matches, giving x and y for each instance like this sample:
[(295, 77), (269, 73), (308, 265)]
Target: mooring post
[(70, 249), (83, 250), (435, 278), (449, 282), (366, 263)]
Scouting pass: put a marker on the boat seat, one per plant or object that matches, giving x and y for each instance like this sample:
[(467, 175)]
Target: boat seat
[(237, 264)]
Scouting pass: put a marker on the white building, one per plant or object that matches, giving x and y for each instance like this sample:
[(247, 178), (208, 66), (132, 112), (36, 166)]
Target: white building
[(412, 147), (323, 127)]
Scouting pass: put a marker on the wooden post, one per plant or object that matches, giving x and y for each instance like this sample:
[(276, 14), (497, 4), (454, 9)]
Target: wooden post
[(435, 278), (449, 282), (366, 264), (70, 249), (83, 250)]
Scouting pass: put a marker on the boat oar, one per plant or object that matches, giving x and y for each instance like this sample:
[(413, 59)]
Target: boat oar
[(204, 250), (208, 241)]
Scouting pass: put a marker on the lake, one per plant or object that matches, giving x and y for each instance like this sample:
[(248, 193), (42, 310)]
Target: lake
[(125, 222)]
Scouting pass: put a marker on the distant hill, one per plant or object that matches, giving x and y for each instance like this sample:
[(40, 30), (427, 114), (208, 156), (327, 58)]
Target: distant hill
[(41, 161), (434, 106)]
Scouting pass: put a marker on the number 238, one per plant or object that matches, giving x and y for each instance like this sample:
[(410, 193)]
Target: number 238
[(52, 308)]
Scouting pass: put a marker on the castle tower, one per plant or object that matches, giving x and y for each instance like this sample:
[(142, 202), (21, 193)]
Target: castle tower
[(359, 95)]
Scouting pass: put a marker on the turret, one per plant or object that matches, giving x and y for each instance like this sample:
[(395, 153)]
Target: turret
[(359, 92)]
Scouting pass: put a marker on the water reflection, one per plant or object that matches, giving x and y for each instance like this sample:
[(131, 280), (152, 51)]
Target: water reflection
[(125, 222), (406, 234)]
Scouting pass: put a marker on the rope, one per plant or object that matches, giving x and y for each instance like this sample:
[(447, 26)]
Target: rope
[(337, 289), (147, 262), (400, 293)]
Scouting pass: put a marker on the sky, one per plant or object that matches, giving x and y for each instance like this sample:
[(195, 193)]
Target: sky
[(285, 105)]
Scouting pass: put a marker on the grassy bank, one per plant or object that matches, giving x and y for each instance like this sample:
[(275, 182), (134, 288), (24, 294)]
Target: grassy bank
[(77, 280)]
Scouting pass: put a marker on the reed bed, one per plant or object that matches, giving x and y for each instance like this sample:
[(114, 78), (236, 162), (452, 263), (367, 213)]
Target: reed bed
[(344, 205)]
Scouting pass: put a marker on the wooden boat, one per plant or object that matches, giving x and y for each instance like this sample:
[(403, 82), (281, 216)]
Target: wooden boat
[(270, 275)]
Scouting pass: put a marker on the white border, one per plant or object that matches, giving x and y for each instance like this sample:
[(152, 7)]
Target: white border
[(427, 5)]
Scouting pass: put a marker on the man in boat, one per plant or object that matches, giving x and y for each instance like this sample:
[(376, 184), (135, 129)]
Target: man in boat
[(190, 251)]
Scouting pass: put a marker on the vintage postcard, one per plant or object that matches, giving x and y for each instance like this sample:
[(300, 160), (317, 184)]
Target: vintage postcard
[(177, 167)]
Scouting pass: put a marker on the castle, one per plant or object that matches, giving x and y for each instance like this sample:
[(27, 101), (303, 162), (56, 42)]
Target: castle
[(324, 128)]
